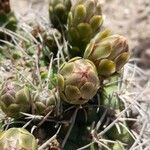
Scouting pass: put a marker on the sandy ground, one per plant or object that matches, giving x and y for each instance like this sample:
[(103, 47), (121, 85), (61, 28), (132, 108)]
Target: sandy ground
[(129, 17), (29, 10)]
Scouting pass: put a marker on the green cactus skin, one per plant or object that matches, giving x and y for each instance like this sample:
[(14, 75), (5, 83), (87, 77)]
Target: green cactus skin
[(17, 139), (110, 100), (123, 137), (108, 94), (14, 99), (84, 21), (78, 81), (118, 146), (58, 11), (109, 54)]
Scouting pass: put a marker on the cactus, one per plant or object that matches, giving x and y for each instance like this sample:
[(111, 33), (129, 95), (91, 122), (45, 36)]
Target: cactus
[(84, 21), (50, 37), (14, 99), (17, 138), (109, 54), (50, 40), (45, 102), (7, 18), (118, 146), (63, 83), (78, 81), (58, 10), (124, 136), (111, 101)]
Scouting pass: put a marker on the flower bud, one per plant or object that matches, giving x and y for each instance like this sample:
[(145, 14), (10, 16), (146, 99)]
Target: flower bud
[(78, 81)]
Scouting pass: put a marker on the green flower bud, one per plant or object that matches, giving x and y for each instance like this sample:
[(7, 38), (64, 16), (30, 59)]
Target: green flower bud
[(18, 139), (108, 53), (14, 99), (84, 20), (45, 101), (58, 10), (49, 41), (50, 37), (78, 81)]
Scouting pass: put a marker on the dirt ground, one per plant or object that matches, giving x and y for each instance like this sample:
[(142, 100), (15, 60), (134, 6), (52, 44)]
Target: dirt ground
[(27, 10), (131, 18)]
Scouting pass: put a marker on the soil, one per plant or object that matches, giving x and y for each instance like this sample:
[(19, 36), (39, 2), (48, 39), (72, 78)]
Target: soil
[(30, 10), (131, 19)]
